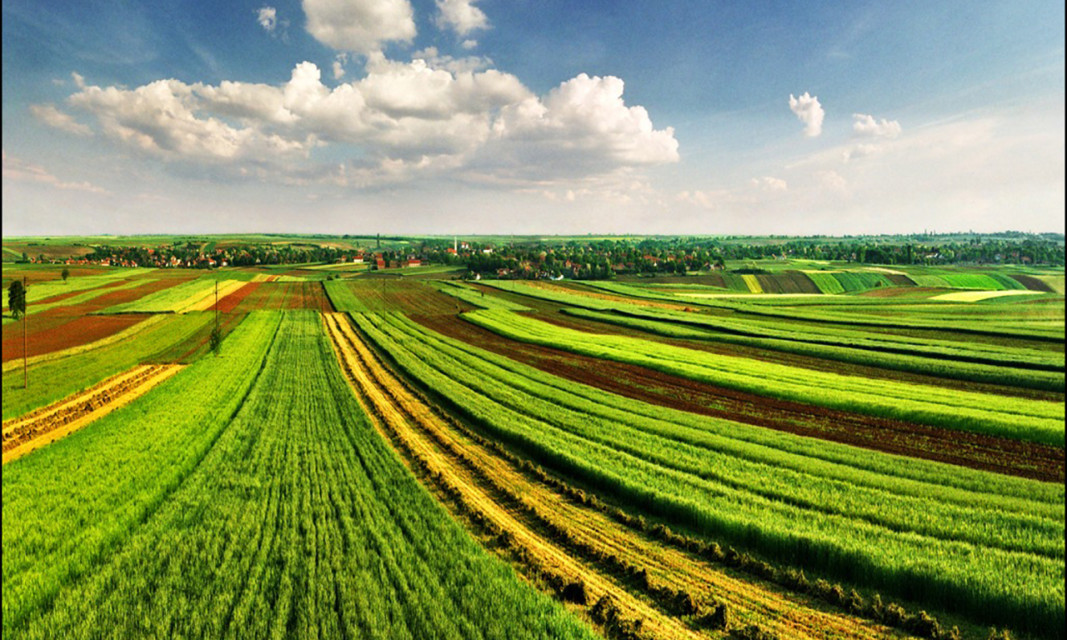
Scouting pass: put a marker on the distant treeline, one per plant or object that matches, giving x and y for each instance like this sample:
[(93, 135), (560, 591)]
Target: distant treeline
[(576, 257)]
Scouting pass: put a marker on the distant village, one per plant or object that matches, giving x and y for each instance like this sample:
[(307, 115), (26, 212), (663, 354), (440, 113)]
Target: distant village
[(581, 259)]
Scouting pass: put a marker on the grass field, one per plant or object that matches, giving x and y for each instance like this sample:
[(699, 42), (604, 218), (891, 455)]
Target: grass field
[(797, 450)]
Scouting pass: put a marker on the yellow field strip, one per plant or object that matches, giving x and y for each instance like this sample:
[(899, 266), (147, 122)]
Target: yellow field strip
[(226, 287), (44, 426), (752, 282), (977, 296), (454, 455), (128, 332)]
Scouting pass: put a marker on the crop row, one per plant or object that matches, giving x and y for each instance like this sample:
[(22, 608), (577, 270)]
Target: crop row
[(961, 351), (1022, 419), (478, 298), (506, 519), (38, 291), (696, 328), (845, 310), (298, 521), (66, 505), (385, 294), (665, 567), (836, 519)]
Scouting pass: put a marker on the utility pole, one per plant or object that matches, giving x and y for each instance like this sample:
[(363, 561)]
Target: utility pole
[(25, 319)]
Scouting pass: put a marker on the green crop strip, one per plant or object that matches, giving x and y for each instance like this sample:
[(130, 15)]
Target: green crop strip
[(1022, 419), (884, 355), (68, 505), (299, 521), (856, 517), (478, 298)]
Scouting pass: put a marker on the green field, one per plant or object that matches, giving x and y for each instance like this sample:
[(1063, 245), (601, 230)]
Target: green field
[(827, 450), (249, 531)]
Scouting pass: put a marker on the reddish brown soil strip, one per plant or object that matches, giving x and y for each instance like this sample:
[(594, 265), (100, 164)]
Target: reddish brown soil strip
[(306, 295), (44, 426), (65, 327), (258, 298), (77, 331), (978, 451), (230, 302), (597, 541), (70, 294)]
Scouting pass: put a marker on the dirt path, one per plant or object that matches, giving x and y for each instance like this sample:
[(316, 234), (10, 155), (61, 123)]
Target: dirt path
[(580, 540), (44, 426)]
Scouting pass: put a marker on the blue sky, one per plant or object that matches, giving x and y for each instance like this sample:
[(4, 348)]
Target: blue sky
[(524, 116)]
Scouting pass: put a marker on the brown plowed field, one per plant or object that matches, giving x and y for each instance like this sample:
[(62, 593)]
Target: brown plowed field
[(308, 294), (589, 537), (64, 327), (268, 295), (978, 451), (74, 332), (230, 302), (27, 433)]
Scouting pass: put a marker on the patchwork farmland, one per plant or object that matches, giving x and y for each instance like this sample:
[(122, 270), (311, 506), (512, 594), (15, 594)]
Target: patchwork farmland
[(774, 450)]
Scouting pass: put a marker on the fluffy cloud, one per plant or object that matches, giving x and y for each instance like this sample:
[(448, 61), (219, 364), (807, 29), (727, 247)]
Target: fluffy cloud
[(15, 169), (161, 119), (401, 120), (267, 17), (53, 117), (461, 16), (866, 125), (581, 127), (809, 111), (360, 26)]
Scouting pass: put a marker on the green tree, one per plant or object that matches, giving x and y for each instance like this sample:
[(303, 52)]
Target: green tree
[(16, 299), (65, 274)]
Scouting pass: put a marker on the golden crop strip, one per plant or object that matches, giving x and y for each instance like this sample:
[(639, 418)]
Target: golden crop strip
[(226, 287), (44, 426)]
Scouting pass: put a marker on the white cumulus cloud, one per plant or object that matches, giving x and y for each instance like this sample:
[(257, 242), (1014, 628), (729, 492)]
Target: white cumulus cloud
[(162, 119), (581, 127), (53, 117), (866, 125), (809, 111), (360, 26), (401, 120), (461, 16)]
